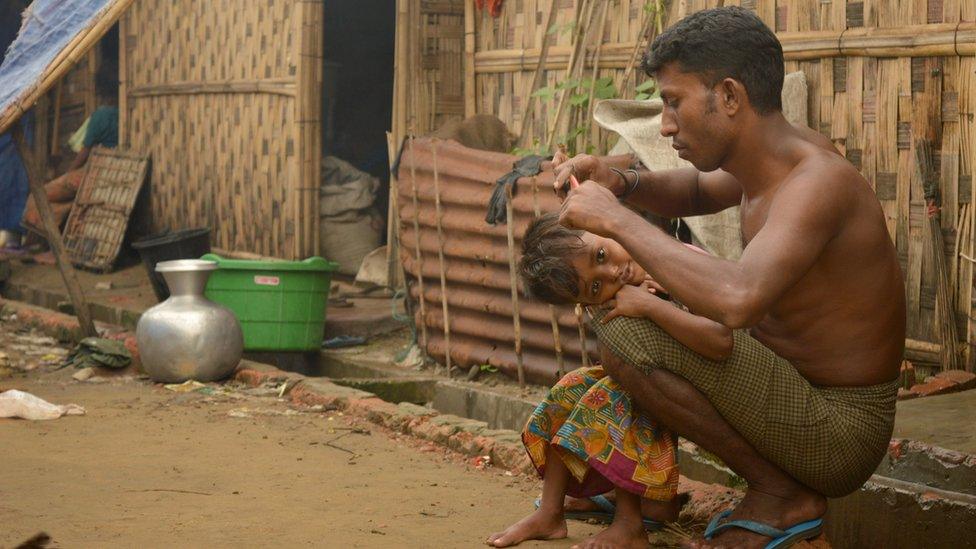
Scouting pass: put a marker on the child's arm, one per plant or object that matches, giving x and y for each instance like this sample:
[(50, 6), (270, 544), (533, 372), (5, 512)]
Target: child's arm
[(702, 335)]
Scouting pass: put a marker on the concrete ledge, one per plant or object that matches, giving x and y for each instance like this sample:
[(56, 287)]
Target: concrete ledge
[(463, 435)]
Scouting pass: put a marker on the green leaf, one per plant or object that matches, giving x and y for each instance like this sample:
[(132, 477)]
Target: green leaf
[(579, 99), (604, 82), (566, 84), (553, 29), (645, 85), (606, 93), (642, 96), (545, 93)]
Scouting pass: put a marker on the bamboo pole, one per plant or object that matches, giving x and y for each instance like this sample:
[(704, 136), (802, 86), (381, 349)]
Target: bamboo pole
[(595, 74), (582, 334), (646, 25), (971, 248), (123, 85), (394, 268), (470, 96), (923, 346), (579, 38), (516, 317), (54, 235), (62, 63), (56, 123), (419, 257), (440, 254), (557, 344), (527, 117), (275, 86)]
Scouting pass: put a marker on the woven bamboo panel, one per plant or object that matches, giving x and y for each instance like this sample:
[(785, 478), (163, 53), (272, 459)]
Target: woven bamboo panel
[(429, 66), (228, 113), (873, 105), (99, 218)]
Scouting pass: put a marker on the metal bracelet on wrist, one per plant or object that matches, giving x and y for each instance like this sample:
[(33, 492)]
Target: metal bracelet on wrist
[(633, 186)]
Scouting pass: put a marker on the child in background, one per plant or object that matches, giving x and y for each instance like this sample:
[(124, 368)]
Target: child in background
[(586, 438)]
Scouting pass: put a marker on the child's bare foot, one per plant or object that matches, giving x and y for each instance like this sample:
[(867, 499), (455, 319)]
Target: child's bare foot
[(620, 535), (538, 525), (661, 511)]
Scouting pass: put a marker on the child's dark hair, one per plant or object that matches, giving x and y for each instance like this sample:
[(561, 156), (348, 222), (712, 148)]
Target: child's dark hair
[(545, 268)]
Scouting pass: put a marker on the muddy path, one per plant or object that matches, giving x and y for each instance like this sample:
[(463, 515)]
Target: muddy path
[(150, 467)]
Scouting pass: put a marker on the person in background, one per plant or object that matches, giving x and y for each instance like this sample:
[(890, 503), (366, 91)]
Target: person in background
[(102, 130)]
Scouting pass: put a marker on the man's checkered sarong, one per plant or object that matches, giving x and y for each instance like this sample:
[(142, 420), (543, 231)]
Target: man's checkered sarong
[(829, 438)]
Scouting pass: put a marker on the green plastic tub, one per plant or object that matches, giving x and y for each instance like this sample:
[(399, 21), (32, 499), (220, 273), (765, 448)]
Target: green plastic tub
[(281, 305)]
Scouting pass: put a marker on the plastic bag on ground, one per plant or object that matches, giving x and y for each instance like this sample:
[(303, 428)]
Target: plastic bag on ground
[(14, 403)]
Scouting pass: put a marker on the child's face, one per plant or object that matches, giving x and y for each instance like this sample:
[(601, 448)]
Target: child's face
[(604, 267)]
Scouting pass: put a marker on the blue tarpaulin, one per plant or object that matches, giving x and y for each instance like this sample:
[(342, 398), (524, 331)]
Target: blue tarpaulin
[(13, 177), (13, 181), (48, 26)]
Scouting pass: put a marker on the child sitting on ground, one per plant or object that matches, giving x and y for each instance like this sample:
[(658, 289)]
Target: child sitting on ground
[(586, 438)]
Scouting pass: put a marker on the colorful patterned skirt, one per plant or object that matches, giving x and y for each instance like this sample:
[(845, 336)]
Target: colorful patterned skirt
[(602, 439)]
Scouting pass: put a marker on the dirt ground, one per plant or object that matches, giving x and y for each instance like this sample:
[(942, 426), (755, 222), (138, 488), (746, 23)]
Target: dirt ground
[(155, 468)]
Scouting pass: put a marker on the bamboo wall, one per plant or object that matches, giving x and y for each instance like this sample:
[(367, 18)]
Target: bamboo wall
[(881, 75), (224, 96), (429, 66)]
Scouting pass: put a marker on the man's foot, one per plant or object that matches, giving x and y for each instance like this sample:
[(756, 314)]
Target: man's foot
[(538, 525), (620, 535), (776, 511), (661, 511)]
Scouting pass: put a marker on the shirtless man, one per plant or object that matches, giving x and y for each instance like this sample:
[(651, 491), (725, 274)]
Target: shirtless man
[(804, 408)]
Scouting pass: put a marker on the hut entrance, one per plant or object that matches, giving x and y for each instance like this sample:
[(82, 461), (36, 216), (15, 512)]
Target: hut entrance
[(357, 102)]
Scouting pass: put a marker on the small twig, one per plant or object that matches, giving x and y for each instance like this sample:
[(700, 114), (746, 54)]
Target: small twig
[(172, 490), (337, 447), (426, 514), (330, 444)]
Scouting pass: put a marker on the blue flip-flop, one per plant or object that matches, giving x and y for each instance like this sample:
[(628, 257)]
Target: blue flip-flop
[(605, 514), (780, 538)]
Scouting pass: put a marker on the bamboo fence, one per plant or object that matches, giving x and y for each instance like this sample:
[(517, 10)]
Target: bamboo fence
[(229, 112)]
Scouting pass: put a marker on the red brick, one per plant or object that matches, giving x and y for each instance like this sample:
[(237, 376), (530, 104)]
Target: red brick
[(965, 380), (905, 394), (937, 386), (896, 448)]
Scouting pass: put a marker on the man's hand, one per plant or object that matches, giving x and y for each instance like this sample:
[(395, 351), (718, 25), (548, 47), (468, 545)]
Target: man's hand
[(633, 301), (591, 207), (585, 167)]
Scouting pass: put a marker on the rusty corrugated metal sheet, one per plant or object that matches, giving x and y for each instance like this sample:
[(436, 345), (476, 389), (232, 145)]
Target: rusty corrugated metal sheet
[(476, 260)]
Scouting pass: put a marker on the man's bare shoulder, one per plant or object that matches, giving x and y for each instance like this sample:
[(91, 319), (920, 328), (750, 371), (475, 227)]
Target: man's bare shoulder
[(815, 138), (823, 177)]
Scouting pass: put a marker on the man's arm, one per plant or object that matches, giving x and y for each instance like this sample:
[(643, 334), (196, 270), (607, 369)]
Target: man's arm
[(669, 193), (80, 158), (685, 191), (804, 216)]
